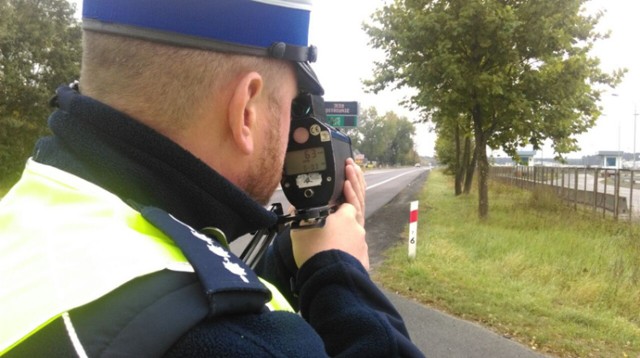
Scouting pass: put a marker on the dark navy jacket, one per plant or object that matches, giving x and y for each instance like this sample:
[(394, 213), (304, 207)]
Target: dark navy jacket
[(342, 312)]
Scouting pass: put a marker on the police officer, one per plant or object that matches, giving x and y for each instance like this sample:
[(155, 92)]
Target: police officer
[(114, 241)]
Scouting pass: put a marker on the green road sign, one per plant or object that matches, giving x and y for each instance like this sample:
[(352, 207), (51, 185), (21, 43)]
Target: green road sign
[(342, 121), (342, 114)]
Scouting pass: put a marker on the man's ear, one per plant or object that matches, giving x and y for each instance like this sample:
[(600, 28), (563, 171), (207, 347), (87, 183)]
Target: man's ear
[(243, 110)]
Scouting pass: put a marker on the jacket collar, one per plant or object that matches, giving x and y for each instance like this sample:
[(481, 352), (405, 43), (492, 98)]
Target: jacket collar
[(136, 163)]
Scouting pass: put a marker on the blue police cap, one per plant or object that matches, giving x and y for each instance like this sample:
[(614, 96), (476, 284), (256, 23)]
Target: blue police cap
[(270, 28)]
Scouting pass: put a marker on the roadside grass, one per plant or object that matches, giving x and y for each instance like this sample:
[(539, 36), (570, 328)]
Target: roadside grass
[(562, 282)]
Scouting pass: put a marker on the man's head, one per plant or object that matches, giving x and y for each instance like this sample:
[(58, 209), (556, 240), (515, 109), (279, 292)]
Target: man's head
[(276, 29), (217, 77)]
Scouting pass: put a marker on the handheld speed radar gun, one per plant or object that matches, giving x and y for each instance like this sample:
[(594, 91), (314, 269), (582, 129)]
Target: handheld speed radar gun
[(313, 174)]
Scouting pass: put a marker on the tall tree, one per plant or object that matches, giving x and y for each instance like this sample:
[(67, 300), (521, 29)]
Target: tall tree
[(454, 148), (520, 69), (448, 153), (386, 139), (40, 48)]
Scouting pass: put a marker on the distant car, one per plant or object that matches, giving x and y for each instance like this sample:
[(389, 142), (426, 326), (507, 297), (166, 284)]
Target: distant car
[(417, 165)]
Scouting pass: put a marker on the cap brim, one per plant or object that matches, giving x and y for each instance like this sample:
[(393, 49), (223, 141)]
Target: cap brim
[(307, 79)]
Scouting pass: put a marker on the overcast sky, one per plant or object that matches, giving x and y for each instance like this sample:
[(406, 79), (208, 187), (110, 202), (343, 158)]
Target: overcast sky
[(345, 60), (621, 50)]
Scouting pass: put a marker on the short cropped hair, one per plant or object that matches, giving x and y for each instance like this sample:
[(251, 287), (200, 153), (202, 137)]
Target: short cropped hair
[(168, 84)]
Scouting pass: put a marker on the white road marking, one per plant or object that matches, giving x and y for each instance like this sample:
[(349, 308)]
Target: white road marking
[(390, 179)]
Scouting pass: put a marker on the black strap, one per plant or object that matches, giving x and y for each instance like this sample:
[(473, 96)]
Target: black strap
[(229, 284)]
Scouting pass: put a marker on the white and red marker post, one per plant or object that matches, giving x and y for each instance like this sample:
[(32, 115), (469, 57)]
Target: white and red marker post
[(413, 228)]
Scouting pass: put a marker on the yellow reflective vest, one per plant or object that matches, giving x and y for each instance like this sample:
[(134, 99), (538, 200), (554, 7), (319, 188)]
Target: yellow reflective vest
[(65, 242)]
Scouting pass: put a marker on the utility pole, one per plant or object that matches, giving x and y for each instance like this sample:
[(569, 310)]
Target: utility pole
[(635, 117), (619, 138)]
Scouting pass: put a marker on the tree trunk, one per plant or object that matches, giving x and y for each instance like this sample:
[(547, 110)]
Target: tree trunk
[(483, 183), (459, 165), (466, 157), (483, 164), (470, 171)]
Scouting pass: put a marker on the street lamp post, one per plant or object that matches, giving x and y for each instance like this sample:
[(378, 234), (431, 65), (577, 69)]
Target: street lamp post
[(619, 157), (635, 117)]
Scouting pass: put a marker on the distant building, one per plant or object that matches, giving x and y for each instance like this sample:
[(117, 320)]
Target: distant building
[(526, 157), (358, 157), (611, 159)]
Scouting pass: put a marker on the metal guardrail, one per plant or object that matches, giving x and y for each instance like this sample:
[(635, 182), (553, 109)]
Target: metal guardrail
[(613, 191)]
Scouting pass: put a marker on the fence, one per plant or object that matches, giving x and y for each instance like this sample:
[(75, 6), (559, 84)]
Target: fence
[(609, 191)]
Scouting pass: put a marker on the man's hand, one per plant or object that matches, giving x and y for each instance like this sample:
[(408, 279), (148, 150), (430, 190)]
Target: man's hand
[(355, 188), (343, 230)]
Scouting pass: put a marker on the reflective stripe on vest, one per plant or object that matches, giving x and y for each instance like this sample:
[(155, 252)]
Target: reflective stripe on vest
[(65, 242)]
